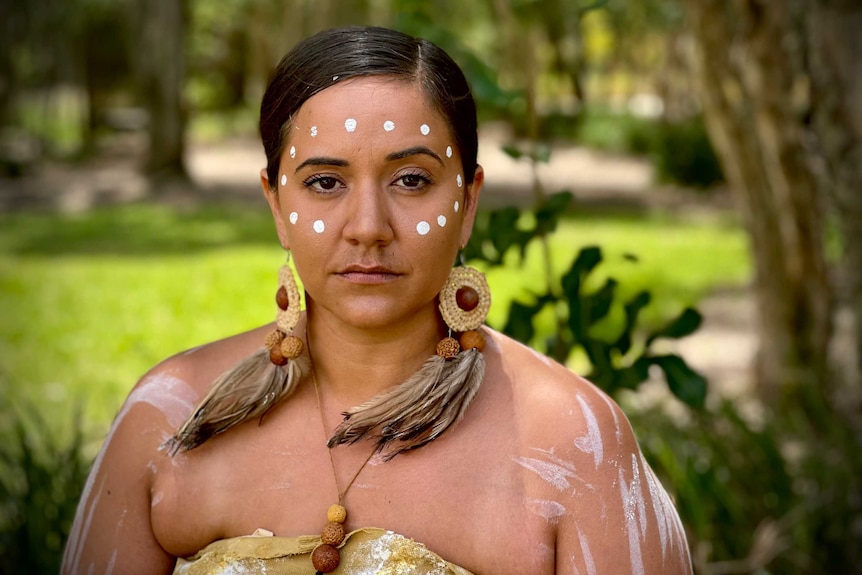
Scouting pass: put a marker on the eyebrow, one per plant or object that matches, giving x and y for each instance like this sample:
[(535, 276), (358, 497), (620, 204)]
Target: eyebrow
[(322, 161), (413, 152), (400, 155)]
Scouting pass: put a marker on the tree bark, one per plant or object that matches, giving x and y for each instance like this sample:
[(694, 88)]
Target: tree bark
[(836, 45), (750, 63), (161, 67)]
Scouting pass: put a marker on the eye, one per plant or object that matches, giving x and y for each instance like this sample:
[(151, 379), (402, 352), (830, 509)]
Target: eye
[(322, 184), (414, 181)]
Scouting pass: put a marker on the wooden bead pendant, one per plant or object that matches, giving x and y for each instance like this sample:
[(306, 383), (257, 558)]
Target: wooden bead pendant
[(448, 347), (467, 298), (326, 557)]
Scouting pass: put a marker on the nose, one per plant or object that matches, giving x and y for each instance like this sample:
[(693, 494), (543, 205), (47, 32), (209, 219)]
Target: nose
[(369, 216)]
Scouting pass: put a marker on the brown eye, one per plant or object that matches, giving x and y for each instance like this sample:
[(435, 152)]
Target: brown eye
[(322, 183)]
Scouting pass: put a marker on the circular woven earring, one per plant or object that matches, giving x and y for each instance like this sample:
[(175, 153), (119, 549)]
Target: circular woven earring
[(281, 342), (464, 303)]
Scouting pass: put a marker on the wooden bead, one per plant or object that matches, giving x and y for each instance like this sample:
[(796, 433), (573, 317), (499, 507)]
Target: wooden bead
[(281, 298), (336, 513), (448, 347), (467, 298), (276, 357), (333, 533), (291, 347), (325, 558), (273, 338), (472, 340)]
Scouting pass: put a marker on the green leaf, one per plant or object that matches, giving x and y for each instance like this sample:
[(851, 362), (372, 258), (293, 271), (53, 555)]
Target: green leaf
[(598, 303), (512, 151), (551, 210), (588, 258), (519, 324), (541, 153), (632, 310), (685, 324), (685, 383), (630, 377)]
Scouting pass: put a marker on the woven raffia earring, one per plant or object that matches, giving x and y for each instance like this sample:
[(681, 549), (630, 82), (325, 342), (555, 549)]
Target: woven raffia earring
[(464, 303), (281, 342)]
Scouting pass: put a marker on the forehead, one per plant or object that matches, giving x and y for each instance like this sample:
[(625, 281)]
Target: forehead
[(369, 107)]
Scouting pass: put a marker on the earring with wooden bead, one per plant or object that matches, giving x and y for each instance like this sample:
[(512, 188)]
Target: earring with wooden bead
[(464, 303), (281, 343)]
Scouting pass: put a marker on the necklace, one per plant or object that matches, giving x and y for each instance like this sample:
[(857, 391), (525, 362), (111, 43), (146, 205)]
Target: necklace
[(326, 556)]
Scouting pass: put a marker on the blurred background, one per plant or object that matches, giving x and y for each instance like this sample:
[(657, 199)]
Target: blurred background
[(673, 207)]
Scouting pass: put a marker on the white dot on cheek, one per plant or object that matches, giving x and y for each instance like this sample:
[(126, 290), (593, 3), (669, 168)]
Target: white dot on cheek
[(457, 205), (448, 151), (319, 226), (284, 179), (293, 151), (459, 180), (441, 221), (293, 217), (313, 131), (424, 129), (423, 228), (350, 124), (388, 125)]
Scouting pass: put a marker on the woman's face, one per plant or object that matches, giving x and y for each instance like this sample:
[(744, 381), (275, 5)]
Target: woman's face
[(372, 202)]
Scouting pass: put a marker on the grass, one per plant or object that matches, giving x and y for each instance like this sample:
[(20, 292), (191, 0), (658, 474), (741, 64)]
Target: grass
[(90, 302)]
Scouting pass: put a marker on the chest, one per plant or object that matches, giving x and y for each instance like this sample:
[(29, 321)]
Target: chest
[(462, 497)]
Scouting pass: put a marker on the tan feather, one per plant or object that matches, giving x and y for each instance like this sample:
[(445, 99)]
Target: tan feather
[(246, 391), (420, 409)]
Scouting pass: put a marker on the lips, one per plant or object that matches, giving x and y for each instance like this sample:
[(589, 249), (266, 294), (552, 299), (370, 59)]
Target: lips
[(368, 275)]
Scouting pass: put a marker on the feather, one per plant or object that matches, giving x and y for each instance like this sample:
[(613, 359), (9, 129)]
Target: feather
[(418, 410), (246, 391)]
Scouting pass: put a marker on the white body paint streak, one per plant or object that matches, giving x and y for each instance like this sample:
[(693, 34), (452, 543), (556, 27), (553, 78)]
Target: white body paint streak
[(586, 553), (555, 471), (592, 442), (424, 129), (441, 221), (175, 399), (636, 487), (157, 498), (659, 510), (294, 217), (388, 125), (550, 510), (318, 226), (423, 228), (667, 518), (350, 124), (618, 430), (627, 492), (110, 568)]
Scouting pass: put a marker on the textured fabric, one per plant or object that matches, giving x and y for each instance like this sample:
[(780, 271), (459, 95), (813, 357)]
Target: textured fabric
[(364, 552)]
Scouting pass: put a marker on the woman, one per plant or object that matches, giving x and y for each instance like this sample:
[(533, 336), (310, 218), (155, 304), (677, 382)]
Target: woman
[(474, 453)]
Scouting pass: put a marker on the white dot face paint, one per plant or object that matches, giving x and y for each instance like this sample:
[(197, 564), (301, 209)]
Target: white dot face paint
[(423, 228), (293, 151), (425, 129), (448, 151), (313, 131), (284, 179), (441, 221), (350, 124), (459, 180), (318, 226), (388, 125), (456, 206), (293, 217)]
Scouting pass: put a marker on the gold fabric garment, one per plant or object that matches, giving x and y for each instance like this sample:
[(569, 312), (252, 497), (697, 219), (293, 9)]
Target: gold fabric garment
[(363, 552)]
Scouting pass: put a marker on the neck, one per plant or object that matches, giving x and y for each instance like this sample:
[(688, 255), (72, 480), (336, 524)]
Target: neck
[(355, 364)]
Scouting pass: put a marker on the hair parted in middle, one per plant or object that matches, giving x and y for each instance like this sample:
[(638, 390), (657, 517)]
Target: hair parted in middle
[(333, 56)]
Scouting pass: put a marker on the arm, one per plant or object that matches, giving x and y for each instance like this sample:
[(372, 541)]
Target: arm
[(625, 521), (112, 531)]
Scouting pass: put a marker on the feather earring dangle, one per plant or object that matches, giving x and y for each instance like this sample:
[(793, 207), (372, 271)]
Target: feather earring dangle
[(434, 398), (257, 383)]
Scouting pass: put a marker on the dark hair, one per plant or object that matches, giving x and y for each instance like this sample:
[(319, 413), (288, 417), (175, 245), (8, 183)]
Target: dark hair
[(333, 56)]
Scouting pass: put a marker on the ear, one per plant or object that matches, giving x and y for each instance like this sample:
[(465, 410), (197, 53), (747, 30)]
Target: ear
[(471, 204), (275, 206)]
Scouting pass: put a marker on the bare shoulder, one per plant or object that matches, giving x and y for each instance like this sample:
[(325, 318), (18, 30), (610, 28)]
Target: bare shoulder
[(112, 527), (581, 457)]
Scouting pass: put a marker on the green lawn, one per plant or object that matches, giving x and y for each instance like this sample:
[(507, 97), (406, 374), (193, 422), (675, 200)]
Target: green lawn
[(90, 302)]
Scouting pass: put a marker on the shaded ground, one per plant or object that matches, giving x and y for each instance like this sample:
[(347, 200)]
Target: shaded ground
[(228, 172)]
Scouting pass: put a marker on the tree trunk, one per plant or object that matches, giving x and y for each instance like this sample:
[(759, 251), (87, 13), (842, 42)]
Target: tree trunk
[(749, 60), (836, 45), (161, 67)]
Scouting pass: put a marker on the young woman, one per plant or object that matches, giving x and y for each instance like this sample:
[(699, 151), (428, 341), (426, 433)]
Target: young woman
[(384, 429)]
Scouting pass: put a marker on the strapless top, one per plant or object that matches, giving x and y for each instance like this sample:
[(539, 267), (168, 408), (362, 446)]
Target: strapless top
[(364, 552)]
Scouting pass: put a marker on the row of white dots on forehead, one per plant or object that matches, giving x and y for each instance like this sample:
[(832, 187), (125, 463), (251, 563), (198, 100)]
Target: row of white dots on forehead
[(422, 227)]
